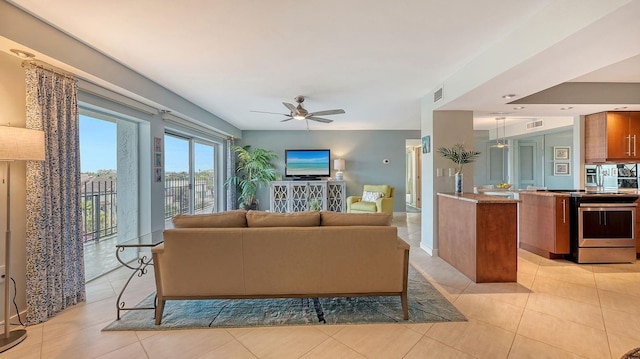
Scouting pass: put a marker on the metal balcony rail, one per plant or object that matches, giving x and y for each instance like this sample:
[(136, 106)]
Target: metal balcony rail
[(176, 196), (99, 204), (99, 209)]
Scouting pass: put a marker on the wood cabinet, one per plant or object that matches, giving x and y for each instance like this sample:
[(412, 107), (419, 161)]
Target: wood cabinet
[(478, 235), (612, 137), (544, 223), (297, 196), (638, 229)]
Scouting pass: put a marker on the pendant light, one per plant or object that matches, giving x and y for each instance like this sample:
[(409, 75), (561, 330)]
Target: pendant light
[(501, 143)]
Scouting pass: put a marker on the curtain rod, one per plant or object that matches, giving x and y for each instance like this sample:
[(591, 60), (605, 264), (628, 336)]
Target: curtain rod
[(49, 67)]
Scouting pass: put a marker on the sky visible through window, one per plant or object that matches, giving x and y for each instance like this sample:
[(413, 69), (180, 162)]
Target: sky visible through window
[(98, 141), (97, 144)]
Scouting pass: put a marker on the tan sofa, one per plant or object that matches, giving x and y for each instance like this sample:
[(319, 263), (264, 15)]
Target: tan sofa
[(254, 254)]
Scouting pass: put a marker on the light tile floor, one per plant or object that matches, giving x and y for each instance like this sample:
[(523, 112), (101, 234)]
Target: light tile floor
[(557, 309)]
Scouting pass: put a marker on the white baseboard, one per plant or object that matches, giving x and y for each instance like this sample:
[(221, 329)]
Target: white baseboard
[(430, 251)]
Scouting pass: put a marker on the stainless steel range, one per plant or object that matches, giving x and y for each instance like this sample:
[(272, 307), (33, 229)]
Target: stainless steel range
[(603, 227)]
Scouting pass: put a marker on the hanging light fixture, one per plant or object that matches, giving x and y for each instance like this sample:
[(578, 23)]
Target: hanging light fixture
[(501, 142)]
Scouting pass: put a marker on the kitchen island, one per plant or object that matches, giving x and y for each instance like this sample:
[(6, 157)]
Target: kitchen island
[(477, 234)]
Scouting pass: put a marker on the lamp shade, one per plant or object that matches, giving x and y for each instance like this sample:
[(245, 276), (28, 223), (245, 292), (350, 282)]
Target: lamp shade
[(339, 164), (21, 144)]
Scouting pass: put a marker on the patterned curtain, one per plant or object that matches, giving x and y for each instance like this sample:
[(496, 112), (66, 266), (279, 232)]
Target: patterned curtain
[(232, 202), (55, 257)]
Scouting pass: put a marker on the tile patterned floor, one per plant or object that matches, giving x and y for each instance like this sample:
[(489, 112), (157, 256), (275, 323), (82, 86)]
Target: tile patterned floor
[(557, 309)]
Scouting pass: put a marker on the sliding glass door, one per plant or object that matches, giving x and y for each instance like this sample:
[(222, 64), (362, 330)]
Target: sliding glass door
[(204, 178), (190, 176)]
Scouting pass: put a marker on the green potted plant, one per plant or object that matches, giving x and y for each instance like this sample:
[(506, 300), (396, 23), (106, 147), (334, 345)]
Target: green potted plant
[(315, 204), (254, 168), (458, 155)]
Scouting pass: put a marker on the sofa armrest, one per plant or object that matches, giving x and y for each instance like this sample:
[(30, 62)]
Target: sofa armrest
[(158, 249), (351, 200), (385, 204), (402, 244)]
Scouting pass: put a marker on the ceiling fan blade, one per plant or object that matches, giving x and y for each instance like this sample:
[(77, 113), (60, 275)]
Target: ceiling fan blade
[(291, 107), (327, 112), (319, 119), (287, 119), (273, 113)]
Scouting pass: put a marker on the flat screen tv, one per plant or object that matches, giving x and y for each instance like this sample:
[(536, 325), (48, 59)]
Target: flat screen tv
[(307, 164)]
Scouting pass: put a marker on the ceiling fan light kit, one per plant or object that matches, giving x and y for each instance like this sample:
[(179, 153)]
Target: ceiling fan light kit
[(300, 113)]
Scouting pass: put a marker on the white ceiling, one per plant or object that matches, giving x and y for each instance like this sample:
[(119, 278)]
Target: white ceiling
[(374, 59)]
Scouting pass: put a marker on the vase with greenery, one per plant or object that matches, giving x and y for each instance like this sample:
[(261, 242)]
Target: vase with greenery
[(458, 155), (254, 168)]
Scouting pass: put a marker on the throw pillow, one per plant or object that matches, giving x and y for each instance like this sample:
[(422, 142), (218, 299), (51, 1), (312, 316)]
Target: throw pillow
[(371, 196)]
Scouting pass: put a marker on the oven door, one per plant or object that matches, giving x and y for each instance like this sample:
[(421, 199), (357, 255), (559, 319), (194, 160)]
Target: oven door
[(606, 225)]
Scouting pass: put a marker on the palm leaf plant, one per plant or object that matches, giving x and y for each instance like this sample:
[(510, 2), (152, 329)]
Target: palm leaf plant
[(254, 168), (458, 155)]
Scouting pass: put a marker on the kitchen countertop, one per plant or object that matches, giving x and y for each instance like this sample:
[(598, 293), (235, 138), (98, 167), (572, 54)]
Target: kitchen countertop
[(545, 193), (479, 198)]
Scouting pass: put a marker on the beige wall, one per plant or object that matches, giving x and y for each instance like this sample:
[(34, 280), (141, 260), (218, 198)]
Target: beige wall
[(12, 111)]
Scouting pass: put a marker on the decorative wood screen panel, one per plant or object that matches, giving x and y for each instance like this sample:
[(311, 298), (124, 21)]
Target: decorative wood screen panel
[(336, 196), (280, 198)]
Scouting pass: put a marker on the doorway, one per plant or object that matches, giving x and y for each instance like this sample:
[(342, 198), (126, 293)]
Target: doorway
[(190, 176), (529, 168), (413, 152)]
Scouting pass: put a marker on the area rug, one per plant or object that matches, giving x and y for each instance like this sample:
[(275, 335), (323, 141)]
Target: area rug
[(426, 305), (632, 354)]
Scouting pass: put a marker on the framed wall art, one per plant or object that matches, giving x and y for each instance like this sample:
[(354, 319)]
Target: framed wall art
[(561, 169), (561, 153), (426, 144)]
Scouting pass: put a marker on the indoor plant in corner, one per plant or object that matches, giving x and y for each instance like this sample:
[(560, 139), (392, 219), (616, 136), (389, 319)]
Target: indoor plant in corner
[(253, 169), (458, 155)]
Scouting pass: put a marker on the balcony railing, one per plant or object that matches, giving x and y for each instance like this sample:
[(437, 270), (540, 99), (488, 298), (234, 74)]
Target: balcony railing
[(176, 197), (99, 209), (99, 204)]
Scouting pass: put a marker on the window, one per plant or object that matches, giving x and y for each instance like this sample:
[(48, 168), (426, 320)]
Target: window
[(190, 176)]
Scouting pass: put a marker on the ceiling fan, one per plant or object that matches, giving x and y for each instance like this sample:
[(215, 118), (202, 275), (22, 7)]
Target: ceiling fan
[(300, 113)]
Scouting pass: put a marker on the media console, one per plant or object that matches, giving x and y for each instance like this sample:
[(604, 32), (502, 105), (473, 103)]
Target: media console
[(305, 195)]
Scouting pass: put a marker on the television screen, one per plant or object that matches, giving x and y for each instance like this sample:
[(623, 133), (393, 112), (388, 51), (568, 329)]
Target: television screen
[(307, 163)]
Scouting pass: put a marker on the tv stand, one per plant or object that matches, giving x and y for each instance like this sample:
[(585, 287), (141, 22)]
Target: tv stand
[(303, 195)]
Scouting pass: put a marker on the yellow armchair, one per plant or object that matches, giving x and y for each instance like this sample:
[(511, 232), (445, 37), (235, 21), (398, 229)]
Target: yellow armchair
[(383, 202)]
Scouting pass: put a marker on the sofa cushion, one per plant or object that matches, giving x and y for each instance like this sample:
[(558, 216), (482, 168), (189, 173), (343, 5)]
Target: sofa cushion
[(229, 219), (364, 206), (274, 219), (354, 219), (382, 188), (371, 196)]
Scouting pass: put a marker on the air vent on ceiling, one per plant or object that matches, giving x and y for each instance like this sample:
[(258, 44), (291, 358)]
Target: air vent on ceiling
[(437, 96), (534, 124)]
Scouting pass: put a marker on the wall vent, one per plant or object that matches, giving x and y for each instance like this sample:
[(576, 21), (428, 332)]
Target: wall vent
[(437, 96), (534, 124)]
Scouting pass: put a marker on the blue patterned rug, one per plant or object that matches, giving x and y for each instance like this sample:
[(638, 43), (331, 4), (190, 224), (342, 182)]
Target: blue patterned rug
[(426, 305)]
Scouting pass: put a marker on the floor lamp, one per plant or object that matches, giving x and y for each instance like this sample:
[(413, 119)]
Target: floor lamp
[(16, 144)]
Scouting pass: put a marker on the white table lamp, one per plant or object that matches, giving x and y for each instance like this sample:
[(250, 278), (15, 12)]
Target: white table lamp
[(16, 144), (339, 166)]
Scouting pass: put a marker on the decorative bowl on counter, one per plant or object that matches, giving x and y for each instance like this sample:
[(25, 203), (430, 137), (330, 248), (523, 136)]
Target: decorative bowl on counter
[(503, 185)]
